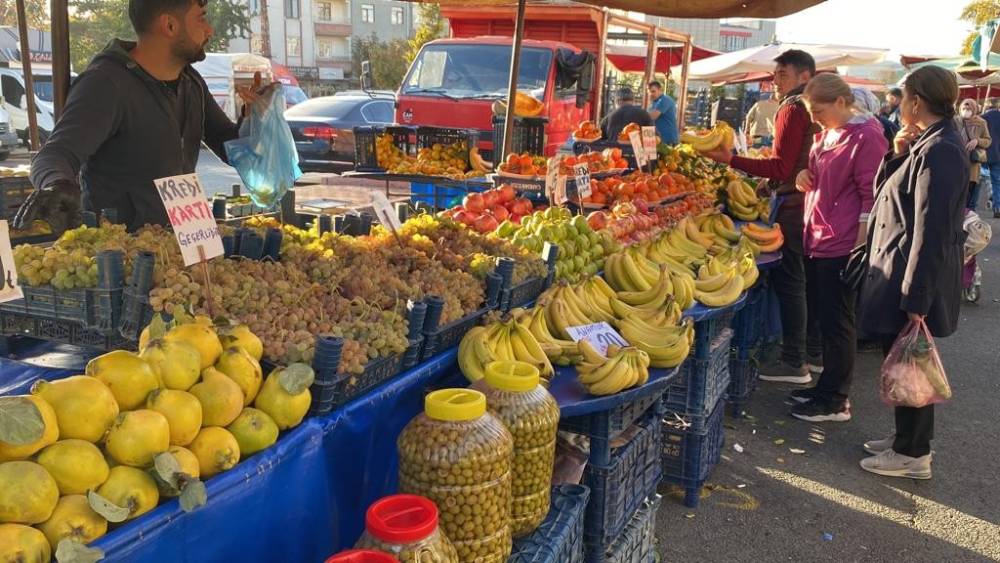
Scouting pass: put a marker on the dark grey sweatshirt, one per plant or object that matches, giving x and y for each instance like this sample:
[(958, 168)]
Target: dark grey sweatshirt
[(122, 129)]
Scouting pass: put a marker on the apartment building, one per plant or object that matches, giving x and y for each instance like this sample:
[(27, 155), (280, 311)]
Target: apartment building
[(722, 35)]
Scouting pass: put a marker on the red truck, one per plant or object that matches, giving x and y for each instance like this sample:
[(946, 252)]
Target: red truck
[(454, 82)]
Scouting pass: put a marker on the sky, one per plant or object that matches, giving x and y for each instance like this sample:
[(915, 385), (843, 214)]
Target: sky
[(912, 27)]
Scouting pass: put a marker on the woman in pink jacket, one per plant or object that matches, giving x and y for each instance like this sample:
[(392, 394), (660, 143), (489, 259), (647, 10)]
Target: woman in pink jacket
[(839, 188)]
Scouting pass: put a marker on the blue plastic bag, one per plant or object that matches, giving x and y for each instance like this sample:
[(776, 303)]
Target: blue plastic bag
[(264, 154)]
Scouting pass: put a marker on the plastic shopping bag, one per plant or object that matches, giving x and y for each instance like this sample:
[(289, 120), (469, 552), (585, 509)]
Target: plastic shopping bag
[(912, 374), (264, 154)]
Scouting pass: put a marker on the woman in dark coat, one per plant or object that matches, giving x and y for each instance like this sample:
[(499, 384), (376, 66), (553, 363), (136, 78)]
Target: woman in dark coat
[(915, 242)]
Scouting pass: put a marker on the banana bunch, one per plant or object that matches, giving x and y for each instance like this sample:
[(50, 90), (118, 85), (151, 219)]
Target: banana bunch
[(719, 283), (623, 368), (583, 304), (666, 345), (507, 339), (767, 239), (477, 163), (741, 201), (722, 135), (560, 351), (719, 226)]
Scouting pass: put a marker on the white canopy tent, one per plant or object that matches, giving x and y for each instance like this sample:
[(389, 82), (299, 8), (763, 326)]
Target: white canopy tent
[(738, 64), (223, 71)]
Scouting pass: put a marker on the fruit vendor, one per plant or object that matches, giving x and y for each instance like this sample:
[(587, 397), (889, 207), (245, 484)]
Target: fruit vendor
[(626, 113), (139, 112), (793, 135), (663, 111)]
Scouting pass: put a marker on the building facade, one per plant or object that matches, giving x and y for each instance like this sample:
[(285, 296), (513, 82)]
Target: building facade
[(721, 35)]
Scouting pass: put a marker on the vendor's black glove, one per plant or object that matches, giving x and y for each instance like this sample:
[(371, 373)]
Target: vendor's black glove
[(58, 203)]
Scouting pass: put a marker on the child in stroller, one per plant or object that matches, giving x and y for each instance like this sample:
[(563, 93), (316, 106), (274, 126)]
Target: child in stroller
[(978, 234)]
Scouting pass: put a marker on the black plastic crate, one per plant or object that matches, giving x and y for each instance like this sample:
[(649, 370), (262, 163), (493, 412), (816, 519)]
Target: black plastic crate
[(349, 386), (617, 491), (93, 308), (136, 314), (609, 423), (742, 380), (451, 334), (529, 136), (58, 330), (427, 137), (526, 291), (412, 354), (700, 384), (365, 156), (13, 191), (559, 538), (637, 542), (690, 455)]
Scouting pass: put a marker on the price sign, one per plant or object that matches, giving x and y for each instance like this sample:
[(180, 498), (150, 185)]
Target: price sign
[(552, 175), (561, 194), (598, 335), (385, 212), (191, 217), (9, 289), (582, 173), (649, 142), (635, 138)]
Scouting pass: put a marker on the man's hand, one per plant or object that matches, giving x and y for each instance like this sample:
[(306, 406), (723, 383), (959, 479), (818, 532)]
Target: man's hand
[(57, 203), (803, 182), (250, 94), (719, 154)]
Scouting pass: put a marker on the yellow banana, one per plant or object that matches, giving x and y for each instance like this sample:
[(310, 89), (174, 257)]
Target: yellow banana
[(720, 228), (590, 374), (716, 282), (615, 381), (580, 310), (688, 247), (615, 274), (668, 356), (634, 277), (726, 295), (524, 339), (589, 353), (468, 362), (637, 298), (595, 309), (696, 236), (602, 286), (649, 270), (624, 310)]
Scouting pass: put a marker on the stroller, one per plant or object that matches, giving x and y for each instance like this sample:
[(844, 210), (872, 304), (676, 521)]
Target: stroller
[(978, 234)]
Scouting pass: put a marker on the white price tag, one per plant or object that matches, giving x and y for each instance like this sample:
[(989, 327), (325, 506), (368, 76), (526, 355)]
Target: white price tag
[(551, 175), (385, 212), (582, 173), (599, 335), (649, 142), (560, 195), (635, 138), (9, 289), (191, 217)]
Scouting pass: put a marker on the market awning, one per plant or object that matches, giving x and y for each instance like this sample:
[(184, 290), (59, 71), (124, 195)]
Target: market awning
[(675, 8), (633, 58), (738, 64), (963, 65)]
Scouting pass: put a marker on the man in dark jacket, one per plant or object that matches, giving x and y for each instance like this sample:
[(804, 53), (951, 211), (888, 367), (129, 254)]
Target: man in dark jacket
[(893, 97), (793, 133), (139, 112), (626, 113), (992, 117)]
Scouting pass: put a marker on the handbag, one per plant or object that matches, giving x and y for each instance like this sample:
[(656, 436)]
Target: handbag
[(856, 268), (978, 156)]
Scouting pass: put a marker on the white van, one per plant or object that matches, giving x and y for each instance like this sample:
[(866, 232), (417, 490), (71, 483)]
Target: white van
[(15, 104)]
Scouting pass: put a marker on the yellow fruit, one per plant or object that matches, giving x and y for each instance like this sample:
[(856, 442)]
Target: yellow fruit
[(127, 375), (10, 452), (144, 338), (216, 450), (187, 460), (286, 410), (176, 363), (23, 544), (182, 411), (242, 337), (254, 431), (131, 488), (203, 320), (76, 465), (221, 398), (200, 336), (241, 367), (28, 494), (85, 407), (74, 519), (137, 436)]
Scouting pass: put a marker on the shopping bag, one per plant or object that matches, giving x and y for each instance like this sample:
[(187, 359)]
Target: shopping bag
[(264, 155), (912, 374)]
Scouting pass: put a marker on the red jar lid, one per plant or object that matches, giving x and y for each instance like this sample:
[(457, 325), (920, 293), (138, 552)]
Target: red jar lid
[(362, 556), (402, 519)]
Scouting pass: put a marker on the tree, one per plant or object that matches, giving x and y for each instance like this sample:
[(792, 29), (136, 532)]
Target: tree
[(431, 28), (35, 10), (388, 60), (978, 12), (93, 23)]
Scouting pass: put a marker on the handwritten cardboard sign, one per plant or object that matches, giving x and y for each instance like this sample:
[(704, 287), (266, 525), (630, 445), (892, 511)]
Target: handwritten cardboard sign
[(599, 335), (581, 172), (385, 212), (635, 138), (649, 142), (190, 215), (9, 289)]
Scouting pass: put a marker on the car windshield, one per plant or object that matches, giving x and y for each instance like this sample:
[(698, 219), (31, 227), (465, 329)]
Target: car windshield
[(460, 71), (328, 106), (43, 87)]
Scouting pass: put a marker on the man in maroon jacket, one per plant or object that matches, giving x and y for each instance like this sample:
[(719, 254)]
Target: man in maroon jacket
[(793, 136)]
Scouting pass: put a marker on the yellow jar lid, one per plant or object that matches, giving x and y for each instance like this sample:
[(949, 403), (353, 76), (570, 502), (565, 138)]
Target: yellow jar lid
[(455, 404), (511, 376)]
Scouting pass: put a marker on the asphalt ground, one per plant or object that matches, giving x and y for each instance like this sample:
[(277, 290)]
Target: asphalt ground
[(767, 503)]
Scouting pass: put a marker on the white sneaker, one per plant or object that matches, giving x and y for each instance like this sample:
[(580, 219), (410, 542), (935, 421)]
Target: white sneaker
[(892, 464), (876, 447)]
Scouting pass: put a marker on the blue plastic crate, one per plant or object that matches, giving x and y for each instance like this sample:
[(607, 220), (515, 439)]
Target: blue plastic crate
[(706, 332), (742, 379), (609, 423), (689, 456), (617, 490), (559, 538), (443, 198), (637, 542), (749, 322), (701, 383)]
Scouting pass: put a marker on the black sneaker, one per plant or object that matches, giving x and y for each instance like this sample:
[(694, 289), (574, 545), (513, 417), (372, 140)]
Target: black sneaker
[(822, 411), (814, 362), (803, 395), (783, 373)]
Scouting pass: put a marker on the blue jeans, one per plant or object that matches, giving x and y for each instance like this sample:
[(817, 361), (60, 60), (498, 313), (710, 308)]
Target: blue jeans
[(994, 168)]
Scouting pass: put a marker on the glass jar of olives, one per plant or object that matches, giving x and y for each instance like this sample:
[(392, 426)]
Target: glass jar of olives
[(459, 456), (515, 396), (407, 526)]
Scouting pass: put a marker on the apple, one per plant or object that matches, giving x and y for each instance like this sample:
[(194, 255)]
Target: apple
[(521, 206), (507, 193), (485, 224), (474, 203), (500, 212), (465, 217)]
